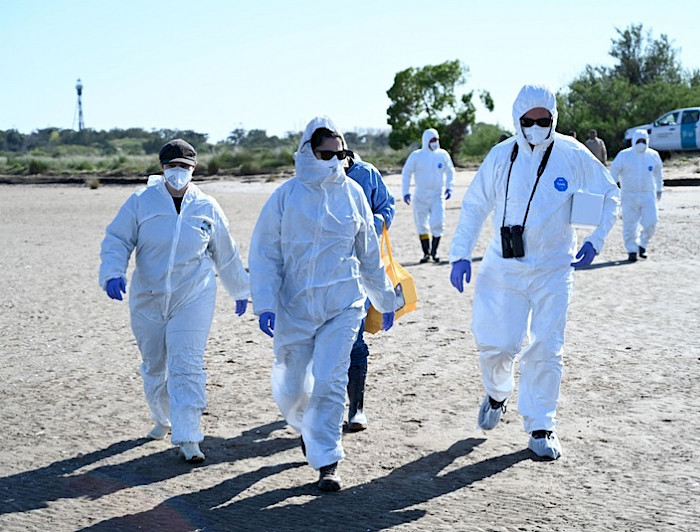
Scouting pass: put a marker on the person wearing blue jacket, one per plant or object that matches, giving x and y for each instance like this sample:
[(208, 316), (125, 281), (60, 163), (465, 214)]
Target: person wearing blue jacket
[(381, 201)]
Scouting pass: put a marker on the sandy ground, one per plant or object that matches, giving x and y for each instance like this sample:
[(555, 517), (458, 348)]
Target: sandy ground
[(72, 456)]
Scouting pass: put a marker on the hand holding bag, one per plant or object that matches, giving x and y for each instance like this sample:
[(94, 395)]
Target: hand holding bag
[(404, 287)]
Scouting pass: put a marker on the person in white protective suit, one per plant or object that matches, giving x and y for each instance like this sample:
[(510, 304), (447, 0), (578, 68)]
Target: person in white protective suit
[(434, 174), (526, 276), (179, 235), (639, 174), (314, 258)]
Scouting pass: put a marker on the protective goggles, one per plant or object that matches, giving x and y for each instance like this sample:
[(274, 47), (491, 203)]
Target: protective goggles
[(529, 122), (327, 155)]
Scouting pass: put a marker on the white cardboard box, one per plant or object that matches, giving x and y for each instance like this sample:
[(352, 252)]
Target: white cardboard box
[(586, 209)]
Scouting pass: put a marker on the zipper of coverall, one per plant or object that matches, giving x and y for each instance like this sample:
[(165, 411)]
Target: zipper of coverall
[(171, 260), (540, 171), (314, 249)]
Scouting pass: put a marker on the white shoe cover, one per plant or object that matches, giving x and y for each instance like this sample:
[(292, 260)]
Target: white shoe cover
[(158, 432), (190, 451), (488, 417), (358, 421), (548, 447)]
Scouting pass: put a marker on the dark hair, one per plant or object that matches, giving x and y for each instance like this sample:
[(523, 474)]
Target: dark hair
[(320, 134)]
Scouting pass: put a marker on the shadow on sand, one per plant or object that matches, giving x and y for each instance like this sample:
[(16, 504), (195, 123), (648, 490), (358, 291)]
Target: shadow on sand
[(35, 489), (379, 504), (598, 265)]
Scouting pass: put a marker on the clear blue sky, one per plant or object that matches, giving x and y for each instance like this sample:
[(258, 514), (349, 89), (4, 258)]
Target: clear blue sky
[(215, 65)]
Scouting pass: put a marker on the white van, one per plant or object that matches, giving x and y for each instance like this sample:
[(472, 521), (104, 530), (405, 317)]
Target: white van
[(676, 130)]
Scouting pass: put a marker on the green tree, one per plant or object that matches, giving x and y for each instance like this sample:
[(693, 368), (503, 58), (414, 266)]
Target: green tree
[(427, 97), (643, 59), (482, 138), (647, 81)]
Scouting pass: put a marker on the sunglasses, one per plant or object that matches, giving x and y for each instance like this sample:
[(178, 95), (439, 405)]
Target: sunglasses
[(327, 155), (529, 122)]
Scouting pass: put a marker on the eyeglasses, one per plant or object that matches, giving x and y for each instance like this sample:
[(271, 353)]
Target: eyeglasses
[(327, 155), (529, 122)]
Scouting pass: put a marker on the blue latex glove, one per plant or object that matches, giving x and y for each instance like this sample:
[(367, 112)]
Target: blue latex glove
[(407, 199), (460, 270), (115, 288), (267, 323), (448, 193), (586, 255), (387, 320), (241, 306)]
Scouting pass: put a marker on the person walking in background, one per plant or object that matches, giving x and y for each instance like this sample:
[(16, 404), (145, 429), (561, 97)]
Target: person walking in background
[(434, 174), (526, 276), (381, 202), (597, 146), (639, 174), (180, 235), (314, 258)]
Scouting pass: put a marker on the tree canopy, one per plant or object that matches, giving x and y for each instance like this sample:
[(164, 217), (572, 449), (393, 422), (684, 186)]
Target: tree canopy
[(647, 81), (428, 97)]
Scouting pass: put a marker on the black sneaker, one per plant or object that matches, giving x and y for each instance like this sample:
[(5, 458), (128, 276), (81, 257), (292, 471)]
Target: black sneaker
[(631, 257), (642, 252), (425, 259), (329, 480), (436, 258)]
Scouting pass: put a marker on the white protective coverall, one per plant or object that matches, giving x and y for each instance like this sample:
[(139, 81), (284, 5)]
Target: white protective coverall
[(434, 172), (530, 296), (640, 175), (172, 293), (313, 254)]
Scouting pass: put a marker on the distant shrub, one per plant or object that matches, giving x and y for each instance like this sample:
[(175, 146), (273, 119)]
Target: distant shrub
[(250, 168), (37, 166), (153, 168), (81, 165), (118, 162), (213, 167)]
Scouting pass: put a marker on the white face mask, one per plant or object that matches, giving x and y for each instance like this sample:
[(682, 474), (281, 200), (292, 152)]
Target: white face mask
[(434, 145), (536, 134), (177, 177), (640, 147), (316, 171)]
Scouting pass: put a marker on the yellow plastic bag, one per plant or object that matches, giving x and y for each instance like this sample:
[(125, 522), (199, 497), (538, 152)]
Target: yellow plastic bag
[(404, 287)]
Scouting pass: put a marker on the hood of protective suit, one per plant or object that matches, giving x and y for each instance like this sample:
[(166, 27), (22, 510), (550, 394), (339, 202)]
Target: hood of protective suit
[(312, 171), (427, 135), (640, 134), (530, 97)]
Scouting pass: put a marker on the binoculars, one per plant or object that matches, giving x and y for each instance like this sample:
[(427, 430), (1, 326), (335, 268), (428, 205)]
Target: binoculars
[(512, 241)]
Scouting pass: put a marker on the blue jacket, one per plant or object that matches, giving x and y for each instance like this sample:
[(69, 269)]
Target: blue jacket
[(378, 196)]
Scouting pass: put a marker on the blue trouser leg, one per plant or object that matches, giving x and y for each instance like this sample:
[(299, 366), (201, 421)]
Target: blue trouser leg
[(357, 372)]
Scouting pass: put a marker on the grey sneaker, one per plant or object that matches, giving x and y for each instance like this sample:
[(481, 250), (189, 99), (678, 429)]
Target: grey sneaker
[(545, 444), (329, 480), (490, 412)]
